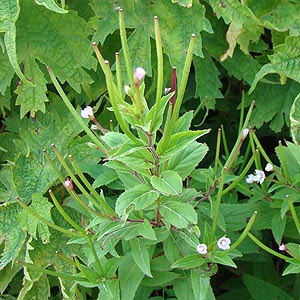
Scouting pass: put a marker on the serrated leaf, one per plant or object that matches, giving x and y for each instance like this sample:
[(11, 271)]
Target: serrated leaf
[(50, 4), (284, 61), (139, 15), (32, 99), (178, 214), (185, 161), (140, 254), (41, 206), (9, 13), (189, 262), (207, 80), (295, 120), (139, 197), (6, 74), (240, 16), (11, 233), (277, 102), (168, 182), (65, 55)]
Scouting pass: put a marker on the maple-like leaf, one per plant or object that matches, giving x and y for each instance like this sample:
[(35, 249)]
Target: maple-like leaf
[(285, 61), (139, 15)]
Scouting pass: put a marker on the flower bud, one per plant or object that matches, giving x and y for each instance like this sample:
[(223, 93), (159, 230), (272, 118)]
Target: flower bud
[(87, 113), (139, 74)]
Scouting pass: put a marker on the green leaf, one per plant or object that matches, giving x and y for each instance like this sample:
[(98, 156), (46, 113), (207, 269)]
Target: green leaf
[(295, 120), (284, 61), (63, 54), (9, 13), (146, 230), (140, 254), (186, 160), (168, 182), (50, 4), (32, 99), (223, 260), (200, 284), (177, 142), (207, 80), (130, 277), (10, 232), (240, 16), (41, 206), (185, 3), (178, 214), (183, 288), (292, 268), (6, 73), (189, 262), (278, 226), (160, 278), (277, 102), (139, 197), (109, 290), (262, 290)]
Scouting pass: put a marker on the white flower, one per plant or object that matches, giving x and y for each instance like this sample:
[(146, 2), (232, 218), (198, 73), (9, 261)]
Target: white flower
[(202, 249), (259, 177), (128, 90), (139, 73), (224, 243), (282, 247), (269, 167), (87, 112)]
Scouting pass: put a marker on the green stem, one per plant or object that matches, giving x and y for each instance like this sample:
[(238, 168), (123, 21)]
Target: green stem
[(266, 248), (242, 112), (217, 156), (160, 71), (112, 97), (243, 235), (216, 207), (64, 214), (50, 272), (74, 112), (76, 181), (43, 220), (66, 259), (91, 189), (119, 73), (125, 48), (283, 162), (224, 140), (97, 261), (293, 212)]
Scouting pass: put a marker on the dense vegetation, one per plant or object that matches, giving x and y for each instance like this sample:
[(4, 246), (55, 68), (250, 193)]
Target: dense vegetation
[(149, 149)]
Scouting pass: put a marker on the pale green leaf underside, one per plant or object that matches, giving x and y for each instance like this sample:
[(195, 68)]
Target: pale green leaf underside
[(295, 120), (50, 4), (285, 61)]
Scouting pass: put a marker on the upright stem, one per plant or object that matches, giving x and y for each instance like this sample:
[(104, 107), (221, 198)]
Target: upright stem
[(125, 48), (74, 112), (160, 70)]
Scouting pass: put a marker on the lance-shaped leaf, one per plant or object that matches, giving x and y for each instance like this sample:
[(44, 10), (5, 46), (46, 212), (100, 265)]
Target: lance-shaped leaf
[(139, 197), (178, 214), (140, 254), (285, 61), (168, 182), (200, 284), (189, 262)]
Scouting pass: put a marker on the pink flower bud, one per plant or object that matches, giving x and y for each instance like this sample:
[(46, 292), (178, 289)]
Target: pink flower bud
[(139, 74)]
